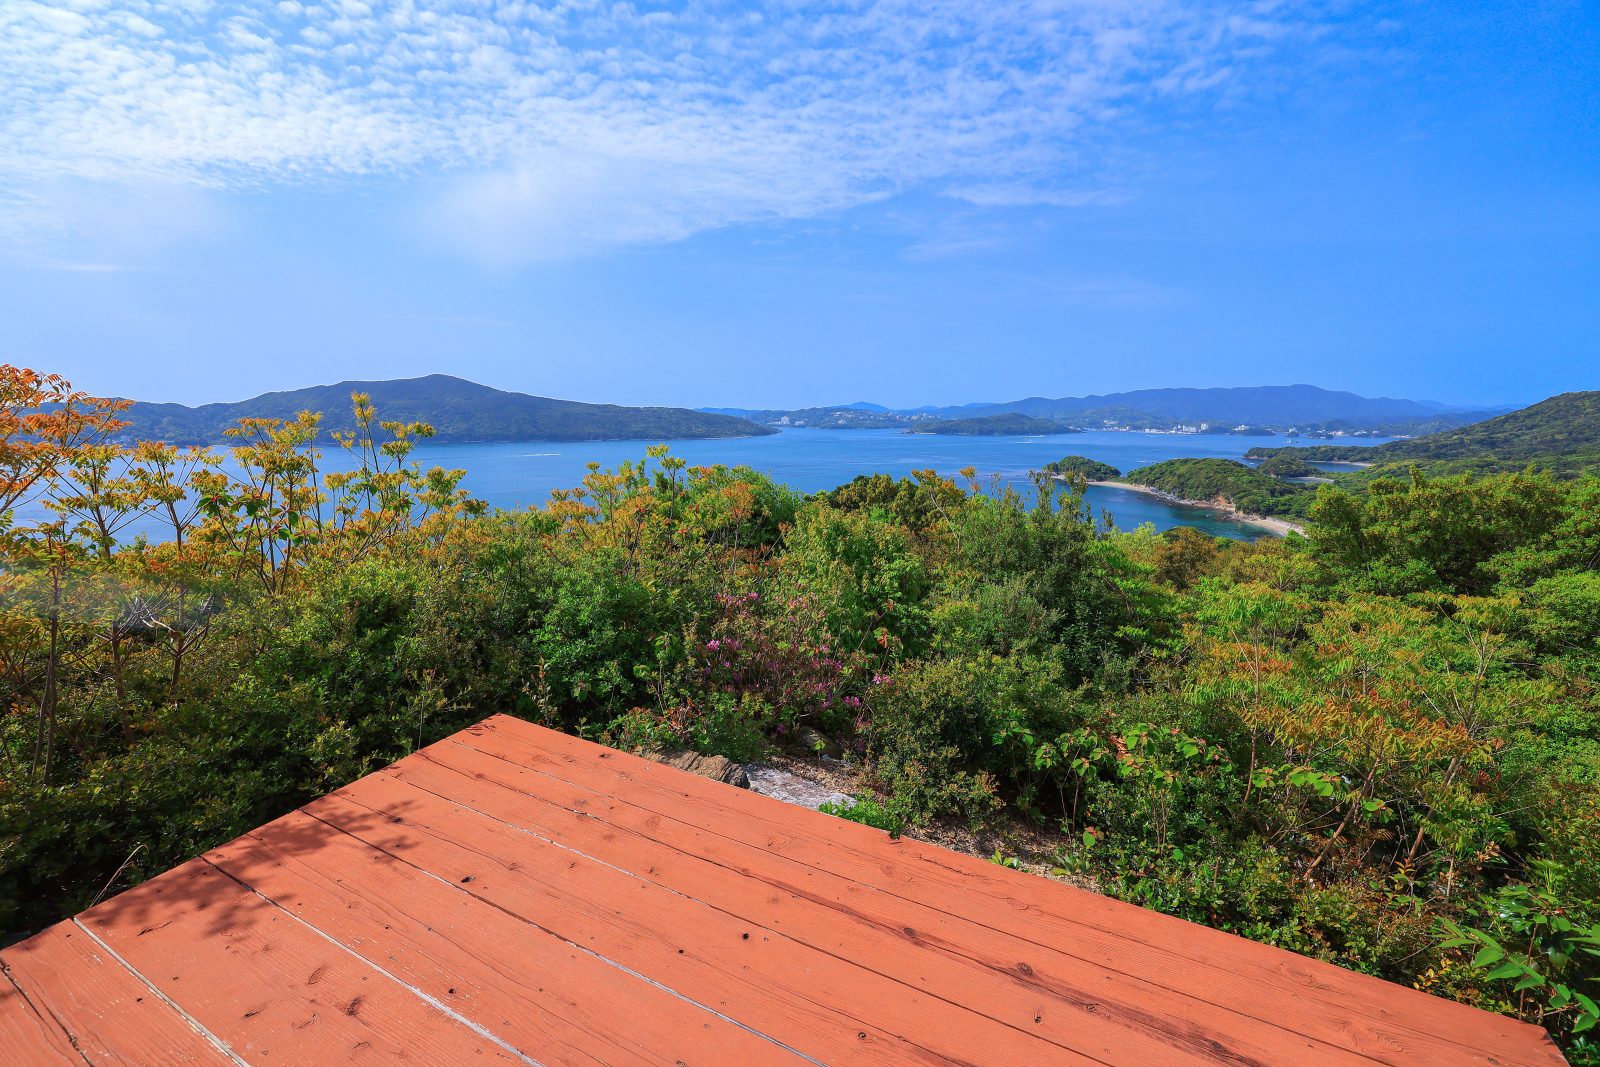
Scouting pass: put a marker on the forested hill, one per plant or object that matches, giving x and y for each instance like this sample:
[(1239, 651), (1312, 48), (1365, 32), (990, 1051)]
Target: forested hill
[(1009, 425), (1221, 481), (457, 409), (1561, 434)]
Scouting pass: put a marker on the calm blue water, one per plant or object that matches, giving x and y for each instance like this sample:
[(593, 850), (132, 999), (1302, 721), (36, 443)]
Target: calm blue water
[(523, 474), (517, 475)]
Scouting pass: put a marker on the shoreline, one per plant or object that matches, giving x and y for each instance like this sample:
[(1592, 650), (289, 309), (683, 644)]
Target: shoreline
[(1279, 527)]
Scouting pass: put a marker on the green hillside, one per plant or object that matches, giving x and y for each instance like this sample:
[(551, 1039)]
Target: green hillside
[(1561, 435), (458, 410), (1287, 466), (1008, 425)]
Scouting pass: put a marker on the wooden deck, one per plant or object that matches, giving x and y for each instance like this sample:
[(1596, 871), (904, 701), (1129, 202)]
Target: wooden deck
[(515, 895)]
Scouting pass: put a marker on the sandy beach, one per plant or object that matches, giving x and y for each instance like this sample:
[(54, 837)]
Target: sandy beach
[(1280, 527)]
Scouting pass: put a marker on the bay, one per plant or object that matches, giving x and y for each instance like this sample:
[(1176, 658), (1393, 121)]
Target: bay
[(521, 474), (512, 475)]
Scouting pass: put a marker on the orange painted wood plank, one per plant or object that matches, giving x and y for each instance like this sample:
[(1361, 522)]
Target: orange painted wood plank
[(1073, 1005), (1161, 948), (30, 1036), (541, 995), (111, 1015), (832, 1010), (274, 990), (1223, 1006)]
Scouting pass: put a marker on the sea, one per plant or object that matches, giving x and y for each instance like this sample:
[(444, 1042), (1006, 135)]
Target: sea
[(521, 474)]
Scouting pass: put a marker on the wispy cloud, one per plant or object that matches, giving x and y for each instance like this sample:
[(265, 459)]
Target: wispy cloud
[(571, 124)]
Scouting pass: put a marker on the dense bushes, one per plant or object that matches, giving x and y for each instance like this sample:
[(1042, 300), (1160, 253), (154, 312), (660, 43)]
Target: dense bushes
[(1380, 745)]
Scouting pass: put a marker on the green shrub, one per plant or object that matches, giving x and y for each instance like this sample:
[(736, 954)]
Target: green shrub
[(867, 811)]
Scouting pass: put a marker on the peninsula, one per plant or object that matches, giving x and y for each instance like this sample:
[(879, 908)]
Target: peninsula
[(458, 410)]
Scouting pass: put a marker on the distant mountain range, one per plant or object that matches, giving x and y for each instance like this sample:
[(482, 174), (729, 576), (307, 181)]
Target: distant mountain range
[(458, 410), (463, 411), (1249, 405), (1306, 409)]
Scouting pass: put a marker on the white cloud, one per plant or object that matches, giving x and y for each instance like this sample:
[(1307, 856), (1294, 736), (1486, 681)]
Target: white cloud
[(572, 124)]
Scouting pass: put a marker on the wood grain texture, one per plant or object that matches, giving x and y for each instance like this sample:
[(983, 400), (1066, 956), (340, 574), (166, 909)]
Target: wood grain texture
[(516, 895)]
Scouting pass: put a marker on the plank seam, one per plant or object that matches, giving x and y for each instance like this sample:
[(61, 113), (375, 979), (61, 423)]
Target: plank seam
[(568, 942), (45, 1016), (427, 998), (195, 1024)]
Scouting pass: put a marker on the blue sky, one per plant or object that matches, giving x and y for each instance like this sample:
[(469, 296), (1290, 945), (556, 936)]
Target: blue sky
[(803, 202)]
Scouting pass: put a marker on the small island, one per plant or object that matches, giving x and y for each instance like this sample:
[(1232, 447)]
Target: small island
[(1090, 470), (459, 411), (1009, 424), (1238, 491)]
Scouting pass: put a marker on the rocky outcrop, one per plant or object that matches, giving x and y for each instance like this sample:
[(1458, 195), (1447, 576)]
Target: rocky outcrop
[(718, 768), (792, 789), (815, 743)]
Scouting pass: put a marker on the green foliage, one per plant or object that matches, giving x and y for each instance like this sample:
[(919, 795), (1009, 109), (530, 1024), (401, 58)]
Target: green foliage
[(1042, 576), (867, 811), (866, 574), (917, 503), (1538, 953), (926, 736), (1436, 535), (948, 736), (596, 631), (1184, 555)]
